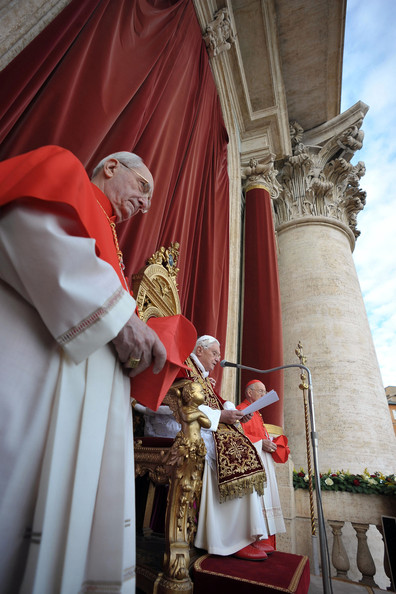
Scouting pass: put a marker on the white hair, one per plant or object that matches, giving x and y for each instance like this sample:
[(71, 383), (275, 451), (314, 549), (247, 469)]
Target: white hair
[(205, 341), (127, 159)]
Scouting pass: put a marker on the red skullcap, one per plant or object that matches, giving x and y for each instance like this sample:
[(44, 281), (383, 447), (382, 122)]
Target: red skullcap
[(253, 382)]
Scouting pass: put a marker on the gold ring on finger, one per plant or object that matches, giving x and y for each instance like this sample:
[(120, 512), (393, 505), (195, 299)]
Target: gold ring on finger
[(132, 362)]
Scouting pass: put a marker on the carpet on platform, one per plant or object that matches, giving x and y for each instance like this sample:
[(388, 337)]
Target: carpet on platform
[(281, 572)]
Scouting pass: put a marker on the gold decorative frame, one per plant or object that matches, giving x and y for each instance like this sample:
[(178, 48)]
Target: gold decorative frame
[(155, 286), (181, 464)]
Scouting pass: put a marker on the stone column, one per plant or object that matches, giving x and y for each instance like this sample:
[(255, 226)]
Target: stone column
[(322, 305)]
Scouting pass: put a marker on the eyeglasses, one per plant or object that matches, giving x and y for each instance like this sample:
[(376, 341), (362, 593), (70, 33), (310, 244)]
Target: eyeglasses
[(214, 352), (259, 390), (144, 183)]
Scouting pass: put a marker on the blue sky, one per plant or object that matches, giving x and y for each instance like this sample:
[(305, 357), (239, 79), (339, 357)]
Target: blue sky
[(369, 75)]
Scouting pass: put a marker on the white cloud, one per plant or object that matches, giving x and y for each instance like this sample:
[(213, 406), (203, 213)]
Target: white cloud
[(368, 75)]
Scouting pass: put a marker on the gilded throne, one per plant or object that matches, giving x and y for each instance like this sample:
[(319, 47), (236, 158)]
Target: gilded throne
[(177, 463)]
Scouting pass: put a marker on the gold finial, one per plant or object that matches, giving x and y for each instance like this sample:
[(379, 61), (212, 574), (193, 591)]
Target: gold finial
[(300, 354), (303, 361)]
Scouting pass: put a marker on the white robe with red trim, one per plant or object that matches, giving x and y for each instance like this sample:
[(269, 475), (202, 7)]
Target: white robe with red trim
[(67, 475)]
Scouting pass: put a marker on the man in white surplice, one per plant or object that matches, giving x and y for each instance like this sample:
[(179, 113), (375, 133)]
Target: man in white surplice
[(257, 432), (236, 525), (69, 341)]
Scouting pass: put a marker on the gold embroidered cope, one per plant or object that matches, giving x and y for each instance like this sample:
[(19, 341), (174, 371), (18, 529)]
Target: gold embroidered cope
[(239, 466)]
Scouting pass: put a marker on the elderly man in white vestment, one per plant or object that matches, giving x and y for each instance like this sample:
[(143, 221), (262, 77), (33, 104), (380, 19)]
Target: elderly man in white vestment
[(70, 339), (228, 524)]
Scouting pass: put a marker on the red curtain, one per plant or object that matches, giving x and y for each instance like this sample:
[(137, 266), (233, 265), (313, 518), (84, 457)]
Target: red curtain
[(134, 75), (262, 346)]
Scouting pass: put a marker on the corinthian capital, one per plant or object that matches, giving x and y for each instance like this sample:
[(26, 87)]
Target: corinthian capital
[(219, 35), (317, 182), (261, 173)]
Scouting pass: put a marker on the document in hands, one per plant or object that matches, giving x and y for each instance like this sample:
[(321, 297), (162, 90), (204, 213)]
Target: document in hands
[(268, 398)]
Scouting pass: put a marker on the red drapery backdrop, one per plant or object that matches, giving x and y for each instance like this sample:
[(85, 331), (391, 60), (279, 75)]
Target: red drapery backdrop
[(134, 75), (262, 345)]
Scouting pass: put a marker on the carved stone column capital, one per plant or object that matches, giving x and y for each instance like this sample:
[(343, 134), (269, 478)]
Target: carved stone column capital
[(319, 181), (261, 174), (219, 34)]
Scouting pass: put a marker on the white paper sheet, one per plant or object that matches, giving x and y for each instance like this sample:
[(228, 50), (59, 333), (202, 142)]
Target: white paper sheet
[(268, 398)]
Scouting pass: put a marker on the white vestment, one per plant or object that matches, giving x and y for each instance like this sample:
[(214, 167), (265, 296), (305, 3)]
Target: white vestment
[(223, 528), (67, 476), (271, 505)]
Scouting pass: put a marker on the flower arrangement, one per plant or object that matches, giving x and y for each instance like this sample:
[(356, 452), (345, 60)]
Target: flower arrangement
[(371, 484)]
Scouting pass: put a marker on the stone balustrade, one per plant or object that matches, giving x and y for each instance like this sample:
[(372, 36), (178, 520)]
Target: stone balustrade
[(354, 534)]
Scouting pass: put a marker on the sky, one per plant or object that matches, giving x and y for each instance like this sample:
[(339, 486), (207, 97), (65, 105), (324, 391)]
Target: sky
[(369, 75)]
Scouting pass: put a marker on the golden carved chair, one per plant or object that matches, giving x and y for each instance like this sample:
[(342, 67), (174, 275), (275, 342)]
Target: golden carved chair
[(177, 463)]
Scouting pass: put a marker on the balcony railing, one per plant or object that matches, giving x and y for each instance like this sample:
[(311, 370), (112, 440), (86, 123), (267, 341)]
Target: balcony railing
[(354, 534)]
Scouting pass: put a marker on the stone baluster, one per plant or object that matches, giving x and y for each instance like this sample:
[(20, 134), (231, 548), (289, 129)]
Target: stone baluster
[(386, 560), (364, 559), (339, 555)]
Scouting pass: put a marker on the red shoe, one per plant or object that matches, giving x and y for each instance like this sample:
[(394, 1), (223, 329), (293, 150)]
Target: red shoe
[(262, 545), (251, 553)]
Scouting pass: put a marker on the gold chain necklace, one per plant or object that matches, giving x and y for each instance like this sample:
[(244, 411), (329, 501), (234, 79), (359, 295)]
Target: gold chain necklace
[(117, 246)]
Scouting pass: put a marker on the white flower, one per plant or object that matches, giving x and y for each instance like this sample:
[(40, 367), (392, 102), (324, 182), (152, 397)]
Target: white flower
[(306, 478), (329, 482)]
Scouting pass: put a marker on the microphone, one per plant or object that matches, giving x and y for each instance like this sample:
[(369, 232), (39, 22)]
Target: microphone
[(225, 363)]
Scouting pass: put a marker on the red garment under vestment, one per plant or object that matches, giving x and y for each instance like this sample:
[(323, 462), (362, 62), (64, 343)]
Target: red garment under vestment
[(255, 428), (52, 176)]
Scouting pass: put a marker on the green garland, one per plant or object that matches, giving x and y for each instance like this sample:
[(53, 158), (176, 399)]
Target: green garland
[(371, 484)]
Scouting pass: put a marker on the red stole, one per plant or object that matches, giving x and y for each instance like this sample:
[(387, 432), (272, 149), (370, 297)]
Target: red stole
[(52, 176)]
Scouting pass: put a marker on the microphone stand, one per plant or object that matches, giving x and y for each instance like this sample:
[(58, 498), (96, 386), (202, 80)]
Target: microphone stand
[(327, 587)]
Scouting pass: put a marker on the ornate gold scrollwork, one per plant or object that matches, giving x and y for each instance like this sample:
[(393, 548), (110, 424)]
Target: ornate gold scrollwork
[(187, 459), (155, 286), (183, 465)]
